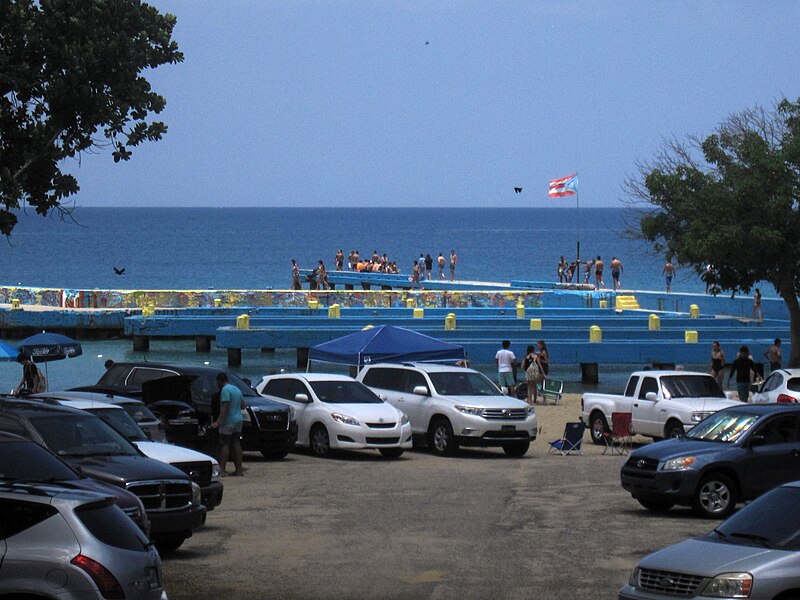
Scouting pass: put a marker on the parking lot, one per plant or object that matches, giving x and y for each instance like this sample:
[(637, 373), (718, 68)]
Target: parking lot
[(479, 525)]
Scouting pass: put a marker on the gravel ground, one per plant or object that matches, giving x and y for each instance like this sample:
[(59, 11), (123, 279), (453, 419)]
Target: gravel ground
[(478, 525)]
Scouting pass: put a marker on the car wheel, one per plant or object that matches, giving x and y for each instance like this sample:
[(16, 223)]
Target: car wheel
[(320, 441), (441, 438), (169, 544), (715, 497), (391, 453), (274, 454), (674, 430), (516, 449), (656, 505), (598, 427)]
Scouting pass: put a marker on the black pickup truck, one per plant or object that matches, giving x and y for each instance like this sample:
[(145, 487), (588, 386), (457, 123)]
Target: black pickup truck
[(269, 427), (170, 498)]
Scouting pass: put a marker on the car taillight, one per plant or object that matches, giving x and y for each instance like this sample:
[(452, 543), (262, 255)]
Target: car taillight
[(102, 577), (786, 399)]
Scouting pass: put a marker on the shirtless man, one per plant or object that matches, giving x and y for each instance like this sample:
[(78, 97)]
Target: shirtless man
[(440, 260), (562, 270), (773, 355), (668, 273), (588, 270), (453, 262), (598, 273), (616, 269)]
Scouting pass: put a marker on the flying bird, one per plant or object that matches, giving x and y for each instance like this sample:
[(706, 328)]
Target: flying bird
[(517, 190), (119, 271)]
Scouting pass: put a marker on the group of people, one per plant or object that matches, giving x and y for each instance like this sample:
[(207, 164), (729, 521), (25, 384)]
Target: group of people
[(423, 268), (743, 367), (535, 364), (594, 267)]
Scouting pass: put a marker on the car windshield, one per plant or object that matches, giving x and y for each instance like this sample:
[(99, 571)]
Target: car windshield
[(75, 435), (139, 412), (344, 392), (771, 521), (724, 426), (31, 462), (691, 386), (463, 383), (122, 422)]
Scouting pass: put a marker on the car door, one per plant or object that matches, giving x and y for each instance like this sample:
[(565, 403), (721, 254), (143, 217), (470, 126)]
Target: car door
[(286, 389), (416, 407), (388, 383), (768, 392), (645, 413), (773, 456)]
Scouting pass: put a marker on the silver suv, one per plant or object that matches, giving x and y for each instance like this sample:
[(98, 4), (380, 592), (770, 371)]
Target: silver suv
[(452, 406), (71, 544)]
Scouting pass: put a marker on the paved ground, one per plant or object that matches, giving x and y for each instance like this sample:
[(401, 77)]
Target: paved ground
[(478, 525)]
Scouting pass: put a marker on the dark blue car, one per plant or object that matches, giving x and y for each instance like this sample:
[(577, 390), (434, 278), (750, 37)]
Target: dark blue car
[(734, 455)]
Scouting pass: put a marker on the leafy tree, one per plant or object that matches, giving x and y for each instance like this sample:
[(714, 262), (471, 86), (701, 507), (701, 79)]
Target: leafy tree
[(70, 81), (732, 200)]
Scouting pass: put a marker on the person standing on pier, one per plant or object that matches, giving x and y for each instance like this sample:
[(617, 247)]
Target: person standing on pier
[(428, 266), (296, 276), (453, 262), (339, 260), (562, 270), (668, 273), (757, 314), (421, 263), (441, 261), (322, 277), (588, 270), (616, 269), (415, 276), (506, 361), (598, 273)]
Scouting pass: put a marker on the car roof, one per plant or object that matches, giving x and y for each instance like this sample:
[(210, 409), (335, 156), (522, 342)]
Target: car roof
[(790, 372), (426, 367), (663, 372), (183, 369), (37, 407), (311, 377), (90, 396), (89, 404), (46, 492)]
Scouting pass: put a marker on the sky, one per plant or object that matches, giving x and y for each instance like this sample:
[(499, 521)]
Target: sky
[(439, 103)]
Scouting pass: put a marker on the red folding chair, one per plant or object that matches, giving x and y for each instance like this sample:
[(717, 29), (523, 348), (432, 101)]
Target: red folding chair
[(618, 440)]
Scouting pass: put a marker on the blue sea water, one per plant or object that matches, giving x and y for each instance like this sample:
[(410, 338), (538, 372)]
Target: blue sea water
[(251, 248)]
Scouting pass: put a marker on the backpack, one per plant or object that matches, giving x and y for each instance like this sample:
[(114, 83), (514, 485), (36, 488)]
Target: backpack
[(534, 373), (39, 382)]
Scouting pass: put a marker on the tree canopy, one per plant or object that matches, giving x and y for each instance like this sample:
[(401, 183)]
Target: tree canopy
[(731, 200), (70, 81)]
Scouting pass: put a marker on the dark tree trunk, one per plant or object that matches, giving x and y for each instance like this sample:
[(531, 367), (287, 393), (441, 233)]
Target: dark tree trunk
[(790, 297)]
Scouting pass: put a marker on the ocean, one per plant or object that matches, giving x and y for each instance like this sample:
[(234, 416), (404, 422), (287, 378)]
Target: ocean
[(251, 248)]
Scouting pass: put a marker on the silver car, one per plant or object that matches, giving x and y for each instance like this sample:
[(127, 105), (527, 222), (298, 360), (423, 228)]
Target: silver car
[(56, 542), (754, 554)]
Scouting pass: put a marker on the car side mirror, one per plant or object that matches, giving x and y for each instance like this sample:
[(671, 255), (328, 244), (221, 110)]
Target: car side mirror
[(421, 390), (247, 381), (652, 396), (301, 398)]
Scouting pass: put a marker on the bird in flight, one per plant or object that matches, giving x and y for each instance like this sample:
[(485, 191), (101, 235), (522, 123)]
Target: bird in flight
[(517, 190), (119, 271)]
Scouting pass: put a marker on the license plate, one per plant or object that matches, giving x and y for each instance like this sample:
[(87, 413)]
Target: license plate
[(509, 428), (152, 577)]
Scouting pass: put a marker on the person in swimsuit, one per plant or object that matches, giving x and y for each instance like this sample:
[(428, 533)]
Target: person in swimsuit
[(757, 314), (598, 273), (296, 276), (415, 276), (441, 261), (616, 269), (668, 273), (453, 261), (544, 357), (717, 362), (562, 270), (773, 355), (588, 271)]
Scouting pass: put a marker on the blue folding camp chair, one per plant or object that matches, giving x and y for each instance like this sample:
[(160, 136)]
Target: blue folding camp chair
[(571, 440)]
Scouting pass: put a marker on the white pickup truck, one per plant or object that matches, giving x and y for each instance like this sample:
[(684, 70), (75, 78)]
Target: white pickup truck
[(662, 404)]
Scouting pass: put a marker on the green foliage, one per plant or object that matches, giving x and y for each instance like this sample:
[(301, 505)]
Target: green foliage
[(70, 81)]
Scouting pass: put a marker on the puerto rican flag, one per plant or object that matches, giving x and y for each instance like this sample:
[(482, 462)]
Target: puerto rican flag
[(566, 186)]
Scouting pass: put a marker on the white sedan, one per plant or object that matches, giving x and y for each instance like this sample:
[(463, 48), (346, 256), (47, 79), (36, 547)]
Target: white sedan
[(338, 412), (782, 385)]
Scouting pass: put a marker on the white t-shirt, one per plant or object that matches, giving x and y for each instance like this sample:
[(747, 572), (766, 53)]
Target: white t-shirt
[(504, 358)]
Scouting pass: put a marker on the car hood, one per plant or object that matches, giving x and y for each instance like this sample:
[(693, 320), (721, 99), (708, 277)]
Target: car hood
[(673, 448), (488, 401), (120, 470), (367, 412), (709, 404), (708, 558), (169, 453)]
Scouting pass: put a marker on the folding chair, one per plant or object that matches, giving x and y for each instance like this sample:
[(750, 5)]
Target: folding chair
[(570, 441), (618, 441), (551, 388)]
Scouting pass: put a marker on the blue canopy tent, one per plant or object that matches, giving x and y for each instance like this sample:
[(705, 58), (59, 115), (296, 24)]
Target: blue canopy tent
[(385, 343)]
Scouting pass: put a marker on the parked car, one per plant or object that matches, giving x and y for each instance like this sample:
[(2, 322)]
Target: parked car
[(23, 460), (171, 499), (662, 404), (203, 469), (337, 412), (781, 386), (452, 406), (734, 455), (71, 544), (269, 427), (754, 554)]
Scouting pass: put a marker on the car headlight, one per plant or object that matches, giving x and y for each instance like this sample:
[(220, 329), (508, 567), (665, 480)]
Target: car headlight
[(404, 419), (339, 418), (699, 416), (214, 471), (729, 585), (470, 410), (196, 496), (634, 579), (530, 410), (679, 464)]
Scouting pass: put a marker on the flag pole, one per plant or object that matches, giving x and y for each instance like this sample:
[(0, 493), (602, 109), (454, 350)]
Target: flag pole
[(578, 218)]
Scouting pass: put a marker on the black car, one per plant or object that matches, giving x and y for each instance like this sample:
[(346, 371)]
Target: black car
[(23, 460), (734, 455), (93, 448), (269, 426)]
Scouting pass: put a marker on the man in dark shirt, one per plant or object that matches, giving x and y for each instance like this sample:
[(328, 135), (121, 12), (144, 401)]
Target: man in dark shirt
[(745, 370)]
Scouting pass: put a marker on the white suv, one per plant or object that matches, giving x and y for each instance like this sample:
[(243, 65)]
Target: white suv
[(453, 406)]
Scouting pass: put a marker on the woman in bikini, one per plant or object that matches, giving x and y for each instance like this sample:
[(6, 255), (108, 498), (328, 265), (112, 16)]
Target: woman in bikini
[(717, 362)]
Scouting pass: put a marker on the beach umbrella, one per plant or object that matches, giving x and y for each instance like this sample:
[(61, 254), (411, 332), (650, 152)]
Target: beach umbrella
[(44, 347), (8, 352)]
